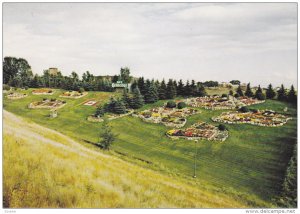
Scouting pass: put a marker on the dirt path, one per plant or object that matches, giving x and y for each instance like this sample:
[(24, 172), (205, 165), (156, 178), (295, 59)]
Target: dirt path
[(34, 133)]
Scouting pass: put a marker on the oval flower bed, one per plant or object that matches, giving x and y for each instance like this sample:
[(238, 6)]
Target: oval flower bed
[(73, 94), (267, 118), (218, 103), (15, 95), (171, 117), (43, 91), (47, 104), (200, 130)]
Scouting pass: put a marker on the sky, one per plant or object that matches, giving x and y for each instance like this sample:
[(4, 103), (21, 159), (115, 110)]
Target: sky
[(251, 42)]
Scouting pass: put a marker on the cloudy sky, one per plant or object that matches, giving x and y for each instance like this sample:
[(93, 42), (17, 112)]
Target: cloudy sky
[(254, 43)]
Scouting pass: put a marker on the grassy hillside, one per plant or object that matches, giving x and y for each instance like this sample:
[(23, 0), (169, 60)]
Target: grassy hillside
[(249, 165), (43, 168)]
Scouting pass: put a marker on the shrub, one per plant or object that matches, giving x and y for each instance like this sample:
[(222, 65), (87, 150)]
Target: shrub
[(44, 99), (254, 110), (181, 105), (224, 95), (236, 95), (222, 127), (50, 91), (52, 99), (6, 87), (244, 109), (81, 90), (171, 104), (26, 87), (63, 101)]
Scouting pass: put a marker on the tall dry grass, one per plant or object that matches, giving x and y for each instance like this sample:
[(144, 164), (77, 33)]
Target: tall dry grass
[(43, 168)]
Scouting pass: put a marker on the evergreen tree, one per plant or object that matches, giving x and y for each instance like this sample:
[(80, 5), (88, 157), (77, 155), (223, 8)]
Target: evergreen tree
[(126, 99), (201, 92), (239, 91), (162, 91), (141, 85), (170, 93), (270, 93), (35, 82), (151, 95), (137, 101), (100, 111), (175, 87), (193, 87), (281, 94), (259, 94), (248, 92), (106, 135), (180, 88), (119, 107), (187, 89), (110, 106), (231, 93), (292, 97), (134, 85)]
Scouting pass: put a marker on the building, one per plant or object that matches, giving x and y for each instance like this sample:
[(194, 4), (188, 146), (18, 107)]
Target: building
[(53, 71)]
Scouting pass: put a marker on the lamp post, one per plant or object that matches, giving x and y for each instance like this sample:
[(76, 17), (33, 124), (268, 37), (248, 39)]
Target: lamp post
[(196, 141)]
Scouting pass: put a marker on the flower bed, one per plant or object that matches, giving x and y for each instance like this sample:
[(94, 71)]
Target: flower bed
[(47, 104), (217, 102), (15, 95), (200, 130), (247, 101), (43, 91), (73, 94), (260, 118), (167, 116), (90, 103), (110, 116)]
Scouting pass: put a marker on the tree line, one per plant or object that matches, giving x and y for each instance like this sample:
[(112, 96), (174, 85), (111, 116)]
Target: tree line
[(17, 73), (282, 94)]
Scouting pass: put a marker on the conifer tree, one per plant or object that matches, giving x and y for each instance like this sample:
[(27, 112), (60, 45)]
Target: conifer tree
[(100, 111), (248, 92), (162, 90), (134, 85), (193, 87), (201, 92), (259, 94), (151, 94), (281, 94), (106, 135), (239, 91), (170, 93), (292, 97), (175, 87), (180, 88), (119, 107), (137, 101), (126, 99), (187, 89), (141, 85), (270, 93)]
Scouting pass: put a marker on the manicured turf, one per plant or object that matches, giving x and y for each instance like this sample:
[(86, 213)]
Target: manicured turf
[(250, 164)]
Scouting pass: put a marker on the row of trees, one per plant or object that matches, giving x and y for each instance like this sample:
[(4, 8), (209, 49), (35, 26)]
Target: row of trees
[(17, 73), (282, 94), (155, 90)]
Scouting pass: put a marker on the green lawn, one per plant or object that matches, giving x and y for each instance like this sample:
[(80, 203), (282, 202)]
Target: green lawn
[(250, 164)]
